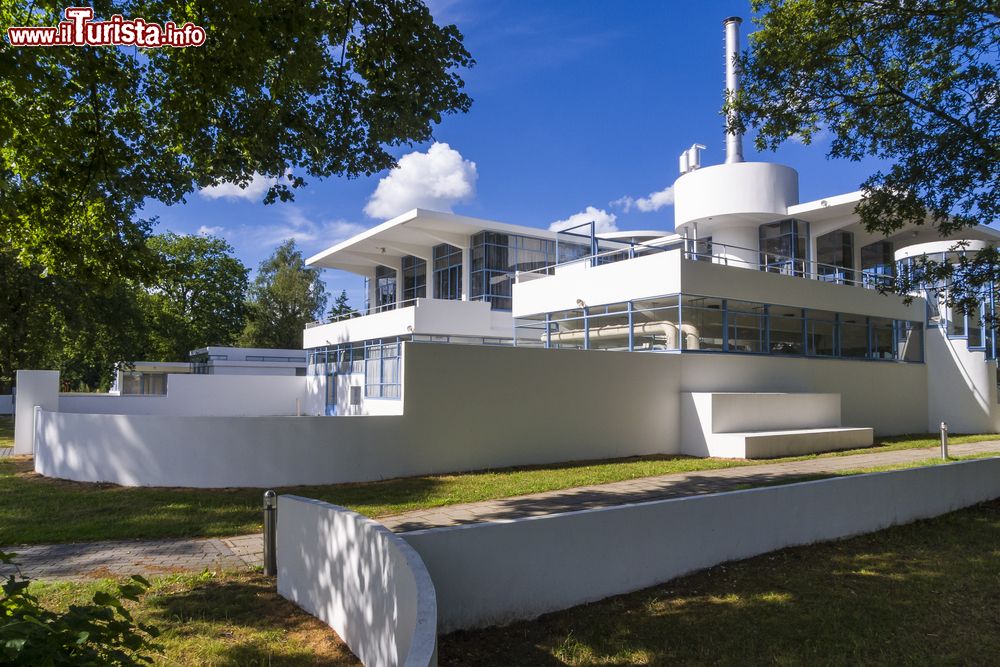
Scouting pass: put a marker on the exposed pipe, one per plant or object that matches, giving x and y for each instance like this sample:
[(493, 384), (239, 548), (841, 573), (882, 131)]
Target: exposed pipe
[(734, 140)]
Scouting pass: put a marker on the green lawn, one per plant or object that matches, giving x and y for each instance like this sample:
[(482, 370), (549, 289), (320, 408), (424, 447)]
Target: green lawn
[(6, 431), (218, 619), (922, 594), (35, 509)]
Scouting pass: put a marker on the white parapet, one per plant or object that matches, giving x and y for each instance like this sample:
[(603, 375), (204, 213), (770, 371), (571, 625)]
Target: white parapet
[(743, 189)]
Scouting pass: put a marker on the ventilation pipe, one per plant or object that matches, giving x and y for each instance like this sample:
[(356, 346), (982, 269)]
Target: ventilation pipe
[(734, 141)]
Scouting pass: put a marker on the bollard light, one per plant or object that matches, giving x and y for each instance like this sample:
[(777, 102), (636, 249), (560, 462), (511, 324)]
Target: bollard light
[(944, 441), (270, 533)]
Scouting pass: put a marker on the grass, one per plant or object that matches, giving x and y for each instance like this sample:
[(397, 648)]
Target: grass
[(219, 619), (921, 594), (6, 431), (35, 509)]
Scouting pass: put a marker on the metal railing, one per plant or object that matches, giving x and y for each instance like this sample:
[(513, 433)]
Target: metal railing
[(729, 255), (362, 313)]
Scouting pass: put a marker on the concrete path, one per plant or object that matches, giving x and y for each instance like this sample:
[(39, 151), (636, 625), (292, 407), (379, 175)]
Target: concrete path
[(151, 557)]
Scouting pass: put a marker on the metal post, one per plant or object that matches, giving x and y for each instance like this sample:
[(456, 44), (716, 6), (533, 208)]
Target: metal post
[(270, 533), (944, 441)]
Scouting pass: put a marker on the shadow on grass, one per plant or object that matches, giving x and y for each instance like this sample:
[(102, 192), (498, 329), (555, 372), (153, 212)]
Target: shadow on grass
[(240, 620), (925, 593)]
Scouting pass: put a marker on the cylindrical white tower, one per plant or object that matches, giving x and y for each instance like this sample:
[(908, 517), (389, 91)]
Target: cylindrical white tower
[(734, 140)]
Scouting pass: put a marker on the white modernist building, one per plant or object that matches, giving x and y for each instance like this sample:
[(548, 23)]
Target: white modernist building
[(787, 341), (756, 328)]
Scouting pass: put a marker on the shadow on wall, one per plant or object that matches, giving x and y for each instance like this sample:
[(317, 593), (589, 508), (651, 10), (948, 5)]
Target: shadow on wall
[(360, 579)]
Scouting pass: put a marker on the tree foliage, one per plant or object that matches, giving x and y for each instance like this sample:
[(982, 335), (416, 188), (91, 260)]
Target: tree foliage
[(913, 82), (97, 634), (284, 88), (341, 307), (285, 296), (197, 299)]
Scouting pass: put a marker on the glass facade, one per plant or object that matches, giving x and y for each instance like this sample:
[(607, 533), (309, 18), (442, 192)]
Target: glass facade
[(877, 263), (382, 370), (835, 257), (497, 257), (385, 287), (447, 272), (784, 247), (709, 324), (414, 278)]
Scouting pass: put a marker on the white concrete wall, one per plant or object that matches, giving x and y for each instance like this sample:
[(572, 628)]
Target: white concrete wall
[(443, 317), (651, 275), (6, 404), (492, 573), (890, 397), (34, 388), (961, 388), (709, 279), (741, 189), (459, 410), (360, 579), (208, 395)]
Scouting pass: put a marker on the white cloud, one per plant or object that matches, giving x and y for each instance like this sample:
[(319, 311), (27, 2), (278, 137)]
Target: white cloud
[(437, 179), (205, 230), (254, 190), (654, 201), (604, 221), (306, 231)]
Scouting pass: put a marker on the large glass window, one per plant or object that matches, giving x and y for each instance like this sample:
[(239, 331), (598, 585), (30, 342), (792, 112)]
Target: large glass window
[(447, 272), (883, 339), (655, 324), (702, 322), (786, 332), (414, 278), (835, 257), (784, 247), (608, 327), (567, 329), (496, 258), (821, 333), (747, 326), (385, 287), (877, 263), (910, 341), (382, 378), (854, 336)]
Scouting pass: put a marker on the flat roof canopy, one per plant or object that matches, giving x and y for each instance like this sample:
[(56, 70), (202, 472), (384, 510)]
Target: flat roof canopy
[(415, 233)]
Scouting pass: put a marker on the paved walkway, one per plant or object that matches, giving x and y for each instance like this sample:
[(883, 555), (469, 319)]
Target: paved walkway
[(150, 557)]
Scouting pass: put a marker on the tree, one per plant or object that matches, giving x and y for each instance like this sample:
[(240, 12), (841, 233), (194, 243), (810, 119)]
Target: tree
[(914, 83), (50, 321), (286, 89), (285, 296), (341, 308), (198, 298)]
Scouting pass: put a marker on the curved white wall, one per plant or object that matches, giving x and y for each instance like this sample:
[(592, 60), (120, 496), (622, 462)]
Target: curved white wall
[(742, 188), (360, 579)]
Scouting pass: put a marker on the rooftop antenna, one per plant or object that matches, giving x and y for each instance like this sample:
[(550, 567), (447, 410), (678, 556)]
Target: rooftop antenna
[(734, 140)]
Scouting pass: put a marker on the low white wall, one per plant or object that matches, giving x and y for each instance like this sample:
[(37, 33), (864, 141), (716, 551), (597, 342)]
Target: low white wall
[(208, 395), (360, 579), (492, 573), (34, 388), (467, 407), (6, 404), (707, 416), (890, 397)]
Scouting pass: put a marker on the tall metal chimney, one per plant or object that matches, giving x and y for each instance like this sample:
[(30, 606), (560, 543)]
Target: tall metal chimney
[(734, 141)]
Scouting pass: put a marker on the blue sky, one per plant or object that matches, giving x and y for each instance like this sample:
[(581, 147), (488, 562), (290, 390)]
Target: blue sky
[(577, 104)]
